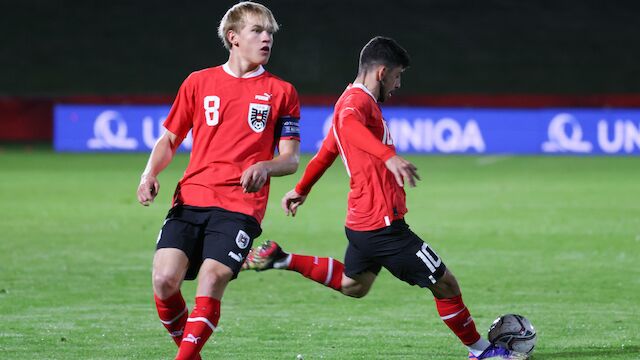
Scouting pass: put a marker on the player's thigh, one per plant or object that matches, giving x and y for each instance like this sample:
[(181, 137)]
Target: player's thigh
[(228, 238), (180, 239), (414, 261), (358, 257), (169, 263)]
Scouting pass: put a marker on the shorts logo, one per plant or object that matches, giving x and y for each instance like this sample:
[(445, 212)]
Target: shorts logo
[(258, 115), (242, 240), (237, 257)]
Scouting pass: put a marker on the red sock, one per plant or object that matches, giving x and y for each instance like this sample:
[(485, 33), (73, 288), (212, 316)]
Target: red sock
[(326, 271), (173, 314), (200, 324), (457, 317)]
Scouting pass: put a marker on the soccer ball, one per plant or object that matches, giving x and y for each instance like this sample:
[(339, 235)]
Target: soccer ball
[(513, 332)]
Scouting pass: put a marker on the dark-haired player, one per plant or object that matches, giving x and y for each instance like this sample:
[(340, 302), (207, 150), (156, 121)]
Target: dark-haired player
[(375, 227)]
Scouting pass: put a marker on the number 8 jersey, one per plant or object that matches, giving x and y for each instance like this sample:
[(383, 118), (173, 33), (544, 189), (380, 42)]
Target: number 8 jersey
[(235, 122)]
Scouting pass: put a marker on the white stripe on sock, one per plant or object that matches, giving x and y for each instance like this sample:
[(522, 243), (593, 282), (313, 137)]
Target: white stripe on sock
[(329, 273), (204, 320), (175, 318), (447, 317), (282, 264)]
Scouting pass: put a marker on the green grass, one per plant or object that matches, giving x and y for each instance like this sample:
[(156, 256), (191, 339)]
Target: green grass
[(554, 238)]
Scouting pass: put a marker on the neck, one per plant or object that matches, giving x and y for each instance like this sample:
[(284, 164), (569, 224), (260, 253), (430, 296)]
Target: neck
[(370, 83), (240, 66)]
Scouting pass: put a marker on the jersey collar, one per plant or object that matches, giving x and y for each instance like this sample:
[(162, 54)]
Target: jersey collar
[(252, 74), (364, 88)]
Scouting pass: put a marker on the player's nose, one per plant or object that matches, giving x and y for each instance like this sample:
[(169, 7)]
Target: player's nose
[(266, 36)]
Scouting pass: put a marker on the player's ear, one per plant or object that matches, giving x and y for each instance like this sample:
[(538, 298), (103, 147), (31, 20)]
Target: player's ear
[(381, 72), (232, 37)]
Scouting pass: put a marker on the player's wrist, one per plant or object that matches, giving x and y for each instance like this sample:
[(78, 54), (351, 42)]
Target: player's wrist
[(147, 175)]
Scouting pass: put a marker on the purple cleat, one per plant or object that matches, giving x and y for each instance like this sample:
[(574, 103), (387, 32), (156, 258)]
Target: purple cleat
[(497, 352)]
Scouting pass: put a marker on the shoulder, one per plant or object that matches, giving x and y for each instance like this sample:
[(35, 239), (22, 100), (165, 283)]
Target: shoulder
[(202, 74), (278, 83), (357, 98)]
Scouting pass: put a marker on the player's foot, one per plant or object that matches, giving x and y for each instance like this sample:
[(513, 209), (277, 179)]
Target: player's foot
[(264, 257), (497, 352)]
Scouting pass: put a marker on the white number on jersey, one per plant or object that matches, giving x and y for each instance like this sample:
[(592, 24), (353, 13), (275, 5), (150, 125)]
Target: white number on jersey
[(211, 106)]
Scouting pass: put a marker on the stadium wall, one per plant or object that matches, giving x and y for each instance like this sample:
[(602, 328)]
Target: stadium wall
[(29, 119)]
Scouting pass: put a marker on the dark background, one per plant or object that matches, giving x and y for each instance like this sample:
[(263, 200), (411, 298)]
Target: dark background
[(59, 48)]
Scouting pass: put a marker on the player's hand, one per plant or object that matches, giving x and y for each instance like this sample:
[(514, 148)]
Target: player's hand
[(254, 178), (291, 201), (148, 189), (403, 170)]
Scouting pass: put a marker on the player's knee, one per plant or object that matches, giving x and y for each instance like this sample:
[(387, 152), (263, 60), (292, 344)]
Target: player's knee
[(214, 275), (354, 290), (165, 283), (446, 287)]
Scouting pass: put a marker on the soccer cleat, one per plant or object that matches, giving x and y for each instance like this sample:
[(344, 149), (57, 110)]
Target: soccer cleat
[(264, 256), (497, 352)]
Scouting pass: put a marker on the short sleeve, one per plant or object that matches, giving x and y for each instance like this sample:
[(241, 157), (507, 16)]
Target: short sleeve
[(288, 127), (180, 118)]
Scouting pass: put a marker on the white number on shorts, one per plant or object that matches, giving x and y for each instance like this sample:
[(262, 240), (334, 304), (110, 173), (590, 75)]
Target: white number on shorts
[(211, 106), (429, 257)]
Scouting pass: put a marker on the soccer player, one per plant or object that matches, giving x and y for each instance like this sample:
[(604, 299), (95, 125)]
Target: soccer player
[(238, 113), (375, 227)]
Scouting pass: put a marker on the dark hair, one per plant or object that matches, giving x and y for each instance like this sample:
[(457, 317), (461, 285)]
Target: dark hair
[(383, 51)]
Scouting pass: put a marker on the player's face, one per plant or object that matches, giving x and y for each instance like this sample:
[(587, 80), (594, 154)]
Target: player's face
[(390, 82), (255, 40)]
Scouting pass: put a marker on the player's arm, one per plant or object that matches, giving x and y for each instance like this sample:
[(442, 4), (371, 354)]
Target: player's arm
[(354, 132), (286, 163), (161, 155), (312, 173)]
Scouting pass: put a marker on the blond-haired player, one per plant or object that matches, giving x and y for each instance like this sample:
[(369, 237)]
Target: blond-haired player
[(238, 114)]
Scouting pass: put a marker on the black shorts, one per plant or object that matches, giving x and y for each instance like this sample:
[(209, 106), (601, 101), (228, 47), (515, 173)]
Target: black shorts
[(396, 248), (209, 233)]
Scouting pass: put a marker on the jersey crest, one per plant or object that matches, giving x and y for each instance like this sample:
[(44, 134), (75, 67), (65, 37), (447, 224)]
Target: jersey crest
[(258, 115)]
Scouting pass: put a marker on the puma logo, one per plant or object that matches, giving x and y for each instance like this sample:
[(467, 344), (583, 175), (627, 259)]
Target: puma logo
[(190, 338)]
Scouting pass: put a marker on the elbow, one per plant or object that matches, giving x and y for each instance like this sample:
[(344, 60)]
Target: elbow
[(293, 164)]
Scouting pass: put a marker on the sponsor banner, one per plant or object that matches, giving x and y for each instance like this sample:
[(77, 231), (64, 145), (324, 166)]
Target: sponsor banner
[(417, 130)]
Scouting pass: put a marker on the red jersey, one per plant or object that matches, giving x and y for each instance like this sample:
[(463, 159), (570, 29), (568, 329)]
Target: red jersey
[(360, 135), (235, 123)]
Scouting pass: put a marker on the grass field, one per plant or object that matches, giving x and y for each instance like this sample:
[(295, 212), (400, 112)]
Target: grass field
[(554, 238)]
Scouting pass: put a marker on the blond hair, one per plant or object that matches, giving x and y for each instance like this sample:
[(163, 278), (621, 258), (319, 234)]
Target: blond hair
[(236, 16)]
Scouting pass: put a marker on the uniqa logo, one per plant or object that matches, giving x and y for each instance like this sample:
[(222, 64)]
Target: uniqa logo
[(150, 136), (565, 134), (106, 138)]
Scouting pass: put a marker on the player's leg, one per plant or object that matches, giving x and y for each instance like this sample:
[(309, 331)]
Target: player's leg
[(359, 285), (324, 270), (457, 317), (213, 279), (171, 265), (417, 263), (226, 242)]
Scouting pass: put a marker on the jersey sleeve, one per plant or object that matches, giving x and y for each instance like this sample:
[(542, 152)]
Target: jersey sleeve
[(353, 131), (180, 118), (288, 127), (318, 164)]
